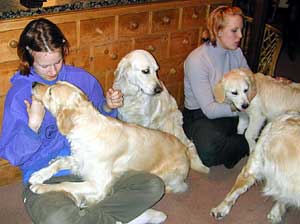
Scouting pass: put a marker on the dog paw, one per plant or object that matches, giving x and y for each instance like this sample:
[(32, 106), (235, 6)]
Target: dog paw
[(274, 218), (150, 216), (39, 177), (38, 188), (220, 212)]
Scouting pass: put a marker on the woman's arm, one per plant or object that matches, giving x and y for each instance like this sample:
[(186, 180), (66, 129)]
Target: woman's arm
[(200, 73)]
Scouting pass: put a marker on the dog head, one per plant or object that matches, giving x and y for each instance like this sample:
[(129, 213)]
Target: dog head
[(61, 100), (137, 71), (236, 87)]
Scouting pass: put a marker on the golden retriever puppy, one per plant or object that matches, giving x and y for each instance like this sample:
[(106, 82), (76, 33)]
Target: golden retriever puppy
[(148, 103), (102, 148), (276, 160), (261, 97)]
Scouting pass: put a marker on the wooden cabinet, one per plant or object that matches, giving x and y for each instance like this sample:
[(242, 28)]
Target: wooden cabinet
[(100, 37)]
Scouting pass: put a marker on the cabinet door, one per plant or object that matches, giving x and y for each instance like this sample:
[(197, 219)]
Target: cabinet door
[(134, 24), (165, 20), (193, 17), (182, 43), (171, 70), (157, 45), (96, 31)]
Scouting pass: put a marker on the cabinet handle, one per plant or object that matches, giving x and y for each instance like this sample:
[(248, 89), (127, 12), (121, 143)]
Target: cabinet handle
[(195, 15), (106, 51), (133, 25), (185, 41), (13, 44), (166, 20), (151, 48), (113, 56), (172, 71), (99, 31)]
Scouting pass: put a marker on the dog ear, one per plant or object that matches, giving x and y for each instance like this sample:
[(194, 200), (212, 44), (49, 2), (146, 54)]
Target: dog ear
[(64, 120), (219, 92), (252, 84), (121, 69)]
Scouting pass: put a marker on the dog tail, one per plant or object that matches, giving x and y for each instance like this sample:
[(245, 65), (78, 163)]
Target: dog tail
[(195, 161)]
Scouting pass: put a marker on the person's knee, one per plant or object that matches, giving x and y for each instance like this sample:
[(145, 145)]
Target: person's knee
[(156, 185)]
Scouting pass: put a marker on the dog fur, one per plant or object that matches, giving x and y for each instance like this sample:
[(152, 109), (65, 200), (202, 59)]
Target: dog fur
[(276, 160), (147, 102), (261, 97), (102, 148)]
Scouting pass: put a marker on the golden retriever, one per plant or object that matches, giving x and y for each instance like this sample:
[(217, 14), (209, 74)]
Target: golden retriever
[(276, 159), (103, 148), (148, 103), (261, 97)]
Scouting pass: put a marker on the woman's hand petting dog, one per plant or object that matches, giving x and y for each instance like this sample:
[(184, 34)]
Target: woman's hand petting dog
[(36, 112), (114, 99)]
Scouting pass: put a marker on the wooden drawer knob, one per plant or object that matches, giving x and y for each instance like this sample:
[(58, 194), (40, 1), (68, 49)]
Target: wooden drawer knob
[(185, 41), (195, 15), (166, 20), (13, 44), (113, 56), (172, 71), (151, 48), (133, 25)]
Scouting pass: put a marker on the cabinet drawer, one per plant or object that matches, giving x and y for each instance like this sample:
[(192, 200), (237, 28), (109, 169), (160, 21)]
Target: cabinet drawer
[(165, 20), (182, 43), (133, 24), (106, 59), (8, 45), (96, 30), (171, 70), (156, 45), (107, 56), (69, 30), (193, 17)]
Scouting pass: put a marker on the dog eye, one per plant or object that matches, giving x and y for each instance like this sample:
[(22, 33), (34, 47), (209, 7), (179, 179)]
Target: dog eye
[(234, 93), (246, 90), (146, 71)]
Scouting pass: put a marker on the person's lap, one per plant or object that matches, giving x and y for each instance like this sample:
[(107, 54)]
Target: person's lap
[(132, 194), (216, 140)]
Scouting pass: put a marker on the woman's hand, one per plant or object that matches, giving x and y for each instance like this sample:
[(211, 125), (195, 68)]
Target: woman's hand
[(36, 113), (114, 99)]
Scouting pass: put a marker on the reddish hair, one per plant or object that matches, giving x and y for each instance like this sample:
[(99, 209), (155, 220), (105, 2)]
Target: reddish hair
[(217, 20), (39, 35)]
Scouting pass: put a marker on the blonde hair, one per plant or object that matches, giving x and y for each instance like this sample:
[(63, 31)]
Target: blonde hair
[(217, 20)]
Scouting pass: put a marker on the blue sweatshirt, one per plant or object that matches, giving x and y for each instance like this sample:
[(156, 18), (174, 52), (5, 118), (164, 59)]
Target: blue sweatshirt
[(19, 144)]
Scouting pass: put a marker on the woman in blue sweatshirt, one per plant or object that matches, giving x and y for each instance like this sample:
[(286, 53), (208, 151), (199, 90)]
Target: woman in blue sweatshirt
[(30, 138)]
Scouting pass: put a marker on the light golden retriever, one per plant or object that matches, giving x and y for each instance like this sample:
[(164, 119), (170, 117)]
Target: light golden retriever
[(147, 102), (261, 97), (103, 148), (276, 159)]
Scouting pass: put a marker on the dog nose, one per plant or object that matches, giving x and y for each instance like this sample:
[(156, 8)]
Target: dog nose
[(158, 89), (245, 106), (34, 84)]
